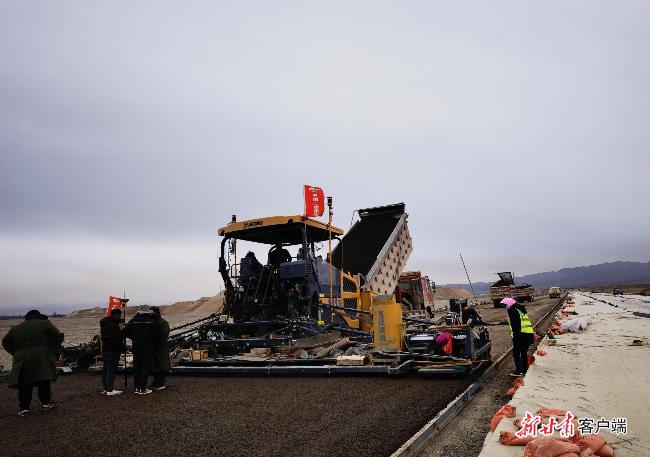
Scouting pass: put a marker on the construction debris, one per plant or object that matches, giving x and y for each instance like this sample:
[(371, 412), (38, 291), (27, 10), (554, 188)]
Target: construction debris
[(351, 360)]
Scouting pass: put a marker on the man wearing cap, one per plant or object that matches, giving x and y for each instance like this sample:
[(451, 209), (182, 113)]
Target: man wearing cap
[(112, 347), (33, 345), (521, 330)]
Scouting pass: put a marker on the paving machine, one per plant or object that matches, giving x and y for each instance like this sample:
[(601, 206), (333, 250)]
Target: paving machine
[(284, 285), (297, 310), (306, 286)]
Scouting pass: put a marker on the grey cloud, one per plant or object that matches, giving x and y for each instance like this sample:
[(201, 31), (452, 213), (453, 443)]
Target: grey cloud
[(497, 125)]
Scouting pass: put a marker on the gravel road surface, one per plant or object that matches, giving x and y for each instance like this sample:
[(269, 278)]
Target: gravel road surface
[(229, 416)]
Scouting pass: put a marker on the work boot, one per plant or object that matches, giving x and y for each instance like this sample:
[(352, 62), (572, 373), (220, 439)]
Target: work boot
[(23, 412), (157, 387), (49, 405), (114, 392)]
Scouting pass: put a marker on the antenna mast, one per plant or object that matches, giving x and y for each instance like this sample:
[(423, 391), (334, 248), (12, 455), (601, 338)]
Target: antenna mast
[(467, 274)]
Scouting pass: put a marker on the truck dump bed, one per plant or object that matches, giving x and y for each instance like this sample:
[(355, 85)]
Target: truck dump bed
[(376, 247), (505, 287)]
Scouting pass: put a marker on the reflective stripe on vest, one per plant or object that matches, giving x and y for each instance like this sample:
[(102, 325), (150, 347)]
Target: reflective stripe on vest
[(526, 326)]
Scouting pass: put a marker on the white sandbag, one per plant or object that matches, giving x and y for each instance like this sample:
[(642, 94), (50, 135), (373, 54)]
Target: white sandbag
[(577, 324)]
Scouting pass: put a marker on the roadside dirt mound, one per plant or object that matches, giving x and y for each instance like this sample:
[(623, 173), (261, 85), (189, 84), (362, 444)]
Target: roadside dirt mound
[(92, 312), (446, 293), (202, 306)]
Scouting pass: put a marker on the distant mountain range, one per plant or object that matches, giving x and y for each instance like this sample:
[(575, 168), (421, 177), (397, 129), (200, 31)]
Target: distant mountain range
[(612, 273), (619, 273)]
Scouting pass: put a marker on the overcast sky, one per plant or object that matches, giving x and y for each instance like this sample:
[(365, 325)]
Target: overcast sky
[(516, 133)]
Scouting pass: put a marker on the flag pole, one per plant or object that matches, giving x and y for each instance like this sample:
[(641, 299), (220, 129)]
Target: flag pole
[(124, 337), (329, 230)]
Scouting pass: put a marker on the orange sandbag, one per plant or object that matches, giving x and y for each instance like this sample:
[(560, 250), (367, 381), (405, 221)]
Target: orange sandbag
[(505, 411), (516, 384), (508, 438), (589, 452), (605, 451), (531, 359), (595, 442), (555, 329), (542, 352), (545, 446)]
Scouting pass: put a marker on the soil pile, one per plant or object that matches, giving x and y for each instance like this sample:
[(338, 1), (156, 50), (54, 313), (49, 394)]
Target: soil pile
[(201, 307), (446, 293), (92, 312)]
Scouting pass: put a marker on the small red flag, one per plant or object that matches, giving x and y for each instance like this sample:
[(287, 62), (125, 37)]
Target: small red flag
[(114, 303), (314, 201)]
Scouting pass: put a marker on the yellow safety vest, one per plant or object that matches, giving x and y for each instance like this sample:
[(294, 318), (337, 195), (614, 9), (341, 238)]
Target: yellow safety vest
[(526, 326)]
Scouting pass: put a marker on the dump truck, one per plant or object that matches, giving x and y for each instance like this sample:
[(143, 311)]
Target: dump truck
[(376, 248), (505, 287), (415, 292), (554, 292)]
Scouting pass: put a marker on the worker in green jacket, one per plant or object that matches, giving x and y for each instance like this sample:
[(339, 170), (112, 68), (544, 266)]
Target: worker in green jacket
[(33, 344), (162, 363)]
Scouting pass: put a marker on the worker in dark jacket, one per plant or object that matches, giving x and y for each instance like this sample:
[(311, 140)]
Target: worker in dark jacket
[(142, 329), (33, 345), (112, 346), (279, 255), (162, 364), (522, 333), (471, 316)]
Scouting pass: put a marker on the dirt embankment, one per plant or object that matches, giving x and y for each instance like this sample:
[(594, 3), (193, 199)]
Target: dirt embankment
[(201, 307), (447, 293)]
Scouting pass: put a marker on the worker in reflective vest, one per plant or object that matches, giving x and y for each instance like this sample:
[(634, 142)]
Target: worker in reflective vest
[(522, 333)]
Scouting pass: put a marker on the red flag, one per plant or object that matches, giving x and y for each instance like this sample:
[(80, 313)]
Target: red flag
[(314, 201), (114, 303)]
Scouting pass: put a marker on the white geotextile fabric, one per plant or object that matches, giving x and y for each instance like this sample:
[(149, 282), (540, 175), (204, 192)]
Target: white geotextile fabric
[(577, 324)]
